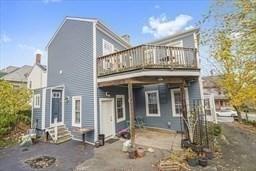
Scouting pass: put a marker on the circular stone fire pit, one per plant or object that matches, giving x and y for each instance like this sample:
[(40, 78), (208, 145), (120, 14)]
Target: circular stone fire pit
[(41, 162)]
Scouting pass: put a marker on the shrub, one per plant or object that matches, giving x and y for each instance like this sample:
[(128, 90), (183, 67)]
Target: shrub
[(14, 106)]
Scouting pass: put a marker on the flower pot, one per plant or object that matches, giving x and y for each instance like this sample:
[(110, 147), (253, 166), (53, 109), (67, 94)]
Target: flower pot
[(97, 144), (185, 143), (208, 153), (196, 148), (193, 162), (132, 153), (140, 152), (203, 161)]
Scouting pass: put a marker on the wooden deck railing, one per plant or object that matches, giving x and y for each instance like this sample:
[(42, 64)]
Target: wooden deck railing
[(147, 57)]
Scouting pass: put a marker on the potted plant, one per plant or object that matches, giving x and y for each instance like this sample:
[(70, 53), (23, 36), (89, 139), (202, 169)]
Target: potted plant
[(203, 161), (191, 158), (185, 143), (132, 152), (208, 153)]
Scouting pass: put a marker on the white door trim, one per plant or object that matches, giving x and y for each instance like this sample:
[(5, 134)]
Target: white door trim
[(62, 120), (113, 114), (43, 107)]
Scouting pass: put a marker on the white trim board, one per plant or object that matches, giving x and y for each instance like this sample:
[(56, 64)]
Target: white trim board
[(43, 108), (148, 73), (95, 85)]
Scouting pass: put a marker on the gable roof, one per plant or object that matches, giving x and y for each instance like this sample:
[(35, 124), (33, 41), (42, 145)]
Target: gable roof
[(42, 67), (210, 81), (9, 69), (174, 36), (93, 20), (19, 75)]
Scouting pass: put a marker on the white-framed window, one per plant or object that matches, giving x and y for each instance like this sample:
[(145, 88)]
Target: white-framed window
[(152, 103), (177, 102), (107, 47), (37, 101), (120, 108), (176, 44), (76, 111)]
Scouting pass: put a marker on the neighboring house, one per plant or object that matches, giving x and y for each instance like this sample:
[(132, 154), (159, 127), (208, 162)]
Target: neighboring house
[(38, 75), (212, 89), (9, 69), (90, 67), (17, 75)]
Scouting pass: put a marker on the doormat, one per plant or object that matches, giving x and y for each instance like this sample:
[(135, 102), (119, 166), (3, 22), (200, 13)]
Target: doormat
[(112, 140)]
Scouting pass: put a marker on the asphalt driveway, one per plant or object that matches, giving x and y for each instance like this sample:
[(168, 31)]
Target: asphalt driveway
[(68, 155)]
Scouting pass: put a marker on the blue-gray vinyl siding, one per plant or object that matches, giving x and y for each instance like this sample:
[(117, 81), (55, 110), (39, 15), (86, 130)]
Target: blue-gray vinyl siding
[(188, 41), (112, 92), (99, 42), (166, 119), (71, 52), (37, 112)]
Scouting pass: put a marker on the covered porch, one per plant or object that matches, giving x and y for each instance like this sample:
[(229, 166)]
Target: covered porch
[(138, 107)]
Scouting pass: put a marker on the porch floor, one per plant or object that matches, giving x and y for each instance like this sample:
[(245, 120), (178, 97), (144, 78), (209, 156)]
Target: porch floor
[(158, 139)]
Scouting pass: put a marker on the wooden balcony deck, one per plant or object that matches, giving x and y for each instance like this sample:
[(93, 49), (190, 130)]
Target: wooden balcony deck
[(146, 57)]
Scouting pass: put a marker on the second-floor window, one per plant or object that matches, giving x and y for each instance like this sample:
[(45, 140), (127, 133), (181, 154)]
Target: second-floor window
[(107, 47)]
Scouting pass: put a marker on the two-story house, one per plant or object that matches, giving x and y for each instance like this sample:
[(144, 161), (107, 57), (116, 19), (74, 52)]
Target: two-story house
[(38, 75), (97, 81)]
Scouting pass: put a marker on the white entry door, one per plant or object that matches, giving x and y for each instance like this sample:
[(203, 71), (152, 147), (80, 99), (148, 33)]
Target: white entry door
[(107, 117)]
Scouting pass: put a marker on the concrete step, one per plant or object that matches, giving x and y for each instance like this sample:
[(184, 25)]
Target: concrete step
[(63, 139)]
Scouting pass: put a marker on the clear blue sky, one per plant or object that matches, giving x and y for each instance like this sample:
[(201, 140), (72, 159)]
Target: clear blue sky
[(26, 26)]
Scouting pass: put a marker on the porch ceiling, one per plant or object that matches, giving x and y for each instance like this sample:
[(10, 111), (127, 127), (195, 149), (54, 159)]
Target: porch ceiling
[(147, 80)]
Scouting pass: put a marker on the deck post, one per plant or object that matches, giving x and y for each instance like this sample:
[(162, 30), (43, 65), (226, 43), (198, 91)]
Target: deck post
[(184, 110), (132, 115)]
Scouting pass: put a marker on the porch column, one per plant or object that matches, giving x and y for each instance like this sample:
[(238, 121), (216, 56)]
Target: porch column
[(131, 112), (184, 109)]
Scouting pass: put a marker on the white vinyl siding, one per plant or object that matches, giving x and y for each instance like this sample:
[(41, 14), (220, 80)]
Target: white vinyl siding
[(76, 111), (152, 103), (37, 101), (120, 108)]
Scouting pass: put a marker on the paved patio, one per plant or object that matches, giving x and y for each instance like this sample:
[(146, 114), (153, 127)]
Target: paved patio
[(111, 158), (68, 155), (157, 138)]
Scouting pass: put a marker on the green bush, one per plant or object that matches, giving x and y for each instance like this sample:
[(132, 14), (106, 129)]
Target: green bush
[(214, 129), (14, 106)]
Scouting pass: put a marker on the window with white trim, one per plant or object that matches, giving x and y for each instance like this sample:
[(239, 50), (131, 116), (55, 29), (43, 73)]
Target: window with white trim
[(76, 111), (107, 47), (177, 102), (152, 103), (120, 108), (37, 101)]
